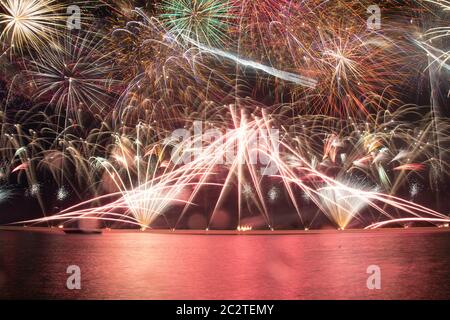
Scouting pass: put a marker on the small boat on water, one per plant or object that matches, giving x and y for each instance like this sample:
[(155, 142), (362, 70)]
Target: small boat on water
[(82, 231)]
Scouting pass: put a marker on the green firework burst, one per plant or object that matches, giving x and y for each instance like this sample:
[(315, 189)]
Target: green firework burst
[(205, 21)]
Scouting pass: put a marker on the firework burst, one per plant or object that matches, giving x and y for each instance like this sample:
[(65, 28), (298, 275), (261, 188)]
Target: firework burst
[(75, 77), (206, 21), (31, 23)]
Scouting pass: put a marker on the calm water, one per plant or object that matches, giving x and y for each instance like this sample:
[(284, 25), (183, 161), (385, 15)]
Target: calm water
[(176, 266)]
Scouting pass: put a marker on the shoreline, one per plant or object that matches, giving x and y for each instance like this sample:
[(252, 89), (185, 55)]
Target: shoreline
[(232, 232)]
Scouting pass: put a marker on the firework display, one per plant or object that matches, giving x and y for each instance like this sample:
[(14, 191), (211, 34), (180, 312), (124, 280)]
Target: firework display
[(226, 114)]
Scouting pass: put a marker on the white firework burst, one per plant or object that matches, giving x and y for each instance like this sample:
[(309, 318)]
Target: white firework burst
[(62, 193), (273, 194)]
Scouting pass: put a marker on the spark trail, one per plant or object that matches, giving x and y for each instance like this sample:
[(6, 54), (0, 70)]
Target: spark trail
[(284, 75)]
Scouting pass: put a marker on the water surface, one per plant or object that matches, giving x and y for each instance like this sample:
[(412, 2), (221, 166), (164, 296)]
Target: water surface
[(331, 265)]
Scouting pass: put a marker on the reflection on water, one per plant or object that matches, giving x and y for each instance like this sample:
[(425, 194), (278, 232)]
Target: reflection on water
[(124, 265)]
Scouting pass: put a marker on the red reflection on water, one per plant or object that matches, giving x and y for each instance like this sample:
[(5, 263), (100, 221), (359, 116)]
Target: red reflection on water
[(331, 265)]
